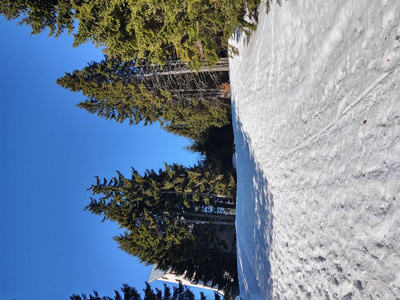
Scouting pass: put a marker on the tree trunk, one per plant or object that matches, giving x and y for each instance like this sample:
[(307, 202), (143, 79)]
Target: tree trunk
[(178, 67), (207, 222)]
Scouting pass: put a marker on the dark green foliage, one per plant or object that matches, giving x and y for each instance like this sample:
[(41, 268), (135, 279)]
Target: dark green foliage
[(217, 146), (156, 30), (120, 91), (112, 94), (192, 30), (130, 293), (200, 256), (175, 189), (55, 15), (157, 211), (268, 4)]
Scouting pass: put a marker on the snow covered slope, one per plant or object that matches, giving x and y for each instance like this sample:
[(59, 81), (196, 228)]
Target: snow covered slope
[(316, 94)]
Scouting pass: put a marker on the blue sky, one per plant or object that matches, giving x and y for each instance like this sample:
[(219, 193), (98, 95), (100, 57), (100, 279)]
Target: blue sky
[(50, 152)]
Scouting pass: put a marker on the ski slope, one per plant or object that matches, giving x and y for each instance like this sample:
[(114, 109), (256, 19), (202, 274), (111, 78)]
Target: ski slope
[(316, 109)]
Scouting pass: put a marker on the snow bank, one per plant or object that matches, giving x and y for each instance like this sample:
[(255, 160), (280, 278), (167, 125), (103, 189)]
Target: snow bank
[(316, 105)]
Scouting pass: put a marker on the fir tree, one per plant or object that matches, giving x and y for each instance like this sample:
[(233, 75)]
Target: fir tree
[(194, 31), (54, 15), (173, 218), (121, 91), (130, 293)]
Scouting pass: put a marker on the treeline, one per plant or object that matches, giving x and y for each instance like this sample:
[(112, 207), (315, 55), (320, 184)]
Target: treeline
[(130, 293), (193, 31), (165, 62), (153, 30), (179, 218)]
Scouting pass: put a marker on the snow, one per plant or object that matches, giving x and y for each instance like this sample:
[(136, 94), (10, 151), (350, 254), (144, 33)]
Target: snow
[(316, 108)]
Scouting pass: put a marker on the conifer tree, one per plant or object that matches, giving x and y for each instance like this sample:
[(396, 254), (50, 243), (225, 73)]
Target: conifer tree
[(130, 293), (194, 31), (54, 15), (167, 215), (119, 90)]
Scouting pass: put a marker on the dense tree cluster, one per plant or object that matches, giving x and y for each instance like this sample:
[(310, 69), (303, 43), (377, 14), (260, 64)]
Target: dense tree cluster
[(174, 218), (130, 293), (154, 30)]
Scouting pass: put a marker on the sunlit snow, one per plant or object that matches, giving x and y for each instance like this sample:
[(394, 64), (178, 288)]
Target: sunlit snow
[(316, 108)]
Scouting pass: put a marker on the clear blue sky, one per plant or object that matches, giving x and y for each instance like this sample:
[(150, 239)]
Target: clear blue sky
[(50, 152)]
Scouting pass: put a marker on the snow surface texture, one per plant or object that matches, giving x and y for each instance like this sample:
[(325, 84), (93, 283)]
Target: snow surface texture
[(316, 106)]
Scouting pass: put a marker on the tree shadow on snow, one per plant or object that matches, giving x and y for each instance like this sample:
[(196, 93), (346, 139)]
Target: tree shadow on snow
[(239, 34), (254, 222)]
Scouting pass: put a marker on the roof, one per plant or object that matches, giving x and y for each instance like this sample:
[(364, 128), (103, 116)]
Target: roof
[(156, 273)]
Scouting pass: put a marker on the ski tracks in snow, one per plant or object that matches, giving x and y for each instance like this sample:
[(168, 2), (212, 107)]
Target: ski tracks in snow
[(340, 114), (316, 102)]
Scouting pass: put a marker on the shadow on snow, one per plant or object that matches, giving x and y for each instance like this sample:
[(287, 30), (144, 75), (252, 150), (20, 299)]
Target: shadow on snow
[(254, 221)]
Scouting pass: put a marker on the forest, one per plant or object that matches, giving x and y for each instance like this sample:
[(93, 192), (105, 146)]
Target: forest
[(130, 293), (165, 62)]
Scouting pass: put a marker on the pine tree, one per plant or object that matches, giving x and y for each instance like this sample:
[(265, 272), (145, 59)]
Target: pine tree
[(173, 218), (176, 189), (121, 91), (54, 15), (130, 293), (194, 31)]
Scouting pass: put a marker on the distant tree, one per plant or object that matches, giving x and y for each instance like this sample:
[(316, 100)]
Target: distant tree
[(121, 91), (130, 293)]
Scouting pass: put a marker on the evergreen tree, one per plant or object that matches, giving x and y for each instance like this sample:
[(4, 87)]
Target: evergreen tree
[(120, 91), (153, 30), (193, 30), (174, 190), (167, 217), (54, 15), (216, 144), (130, 293)]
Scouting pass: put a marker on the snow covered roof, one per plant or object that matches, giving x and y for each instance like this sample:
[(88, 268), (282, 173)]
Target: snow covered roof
[(167, 276), (156, 273)]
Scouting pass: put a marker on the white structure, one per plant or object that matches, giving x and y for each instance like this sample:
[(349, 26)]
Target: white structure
[(167, 276)]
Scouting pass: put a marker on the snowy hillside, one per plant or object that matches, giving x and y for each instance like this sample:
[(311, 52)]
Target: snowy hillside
[(316, 94)]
